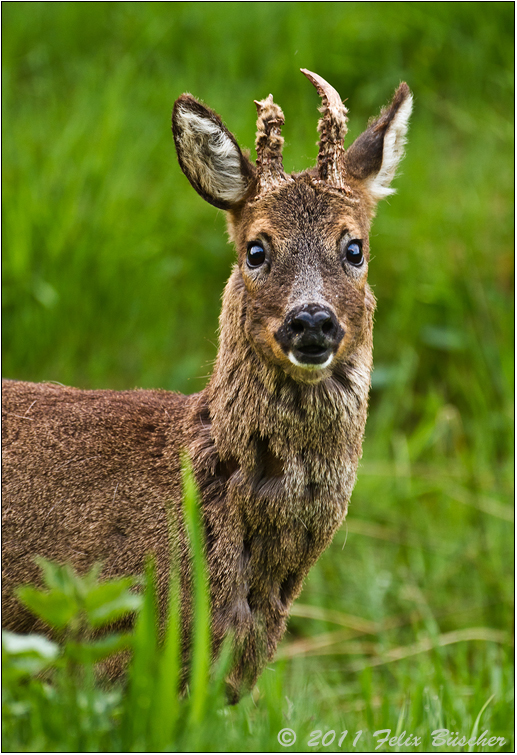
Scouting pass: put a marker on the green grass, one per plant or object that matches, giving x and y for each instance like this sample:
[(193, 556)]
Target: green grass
[(51, 697), (112, 275)]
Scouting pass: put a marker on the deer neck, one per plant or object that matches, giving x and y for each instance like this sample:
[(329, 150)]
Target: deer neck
[(284, 457), (296, 446)]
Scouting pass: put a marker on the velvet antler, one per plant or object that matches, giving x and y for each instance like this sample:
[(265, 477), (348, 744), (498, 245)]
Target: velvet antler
[(332, 129), (269, 143)]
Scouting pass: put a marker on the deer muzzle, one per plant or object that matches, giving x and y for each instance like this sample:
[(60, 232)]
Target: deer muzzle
[(310, 336)]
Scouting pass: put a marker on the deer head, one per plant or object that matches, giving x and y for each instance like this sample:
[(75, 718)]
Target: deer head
[(302, 239)]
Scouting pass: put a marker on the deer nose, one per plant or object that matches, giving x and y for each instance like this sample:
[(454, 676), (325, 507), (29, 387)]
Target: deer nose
[(313, 324), (310, 335)]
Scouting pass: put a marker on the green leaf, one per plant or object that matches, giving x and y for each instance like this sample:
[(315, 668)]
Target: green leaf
[(17, 644), (108, 601), (57, 577), (97, 650), (55, 608), (26, 654), (109, 612)]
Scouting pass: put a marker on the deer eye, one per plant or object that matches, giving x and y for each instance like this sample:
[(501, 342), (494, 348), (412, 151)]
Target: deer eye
[(354, 252), (256, 255)]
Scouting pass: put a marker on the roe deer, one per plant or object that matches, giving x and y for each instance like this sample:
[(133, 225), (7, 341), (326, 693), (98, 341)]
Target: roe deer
[(276, 435)]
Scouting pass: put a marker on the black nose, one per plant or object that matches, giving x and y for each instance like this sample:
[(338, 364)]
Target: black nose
[(313, 323), (310, 335)]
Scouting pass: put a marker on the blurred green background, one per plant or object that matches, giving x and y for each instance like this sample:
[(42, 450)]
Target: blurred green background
[(113, 270)]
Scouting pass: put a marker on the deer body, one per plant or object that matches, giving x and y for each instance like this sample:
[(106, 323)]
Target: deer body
[(275, 437)]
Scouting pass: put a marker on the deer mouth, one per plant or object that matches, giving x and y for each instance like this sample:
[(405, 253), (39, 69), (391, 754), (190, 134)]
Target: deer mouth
[(311, 356), (314, 354)]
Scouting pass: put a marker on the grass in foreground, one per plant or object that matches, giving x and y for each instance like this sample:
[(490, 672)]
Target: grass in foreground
[(52, 699)]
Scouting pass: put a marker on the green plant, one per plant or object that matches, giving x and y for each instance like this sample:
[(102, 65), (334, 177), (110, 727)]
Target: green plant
[(51, 694)]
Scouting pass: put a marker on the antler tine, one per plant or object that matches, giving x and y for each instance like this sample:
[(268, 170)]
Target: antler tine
[(332, 128), (269, 143)]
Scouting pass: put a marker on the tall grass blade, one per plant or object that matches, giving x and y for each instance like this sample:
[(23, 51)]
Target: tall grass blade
[(475, 728), (200, 640), (166, 705), (138, 708)]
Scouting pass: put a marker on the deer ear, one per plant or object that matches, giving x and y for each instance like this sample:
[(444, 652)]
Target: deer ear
[(209, 155), (375, 155)]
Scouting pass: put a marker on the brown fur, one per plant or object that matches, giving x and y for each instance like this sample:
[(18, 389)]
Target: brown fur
[(94, 475)]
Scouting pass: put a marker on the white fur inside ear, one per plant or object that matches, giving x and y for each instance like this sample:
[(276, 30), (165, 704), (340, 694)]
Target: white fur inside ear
[(392, 153), (210, 157)]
